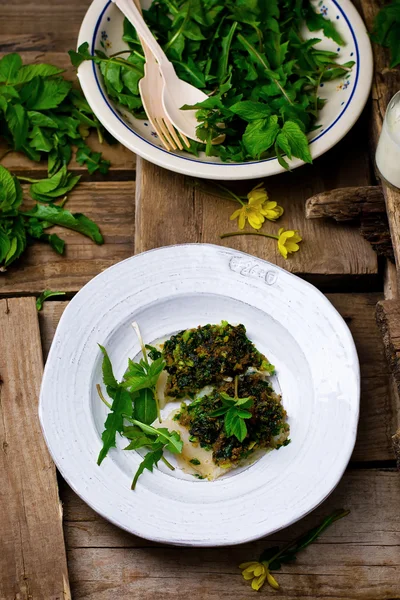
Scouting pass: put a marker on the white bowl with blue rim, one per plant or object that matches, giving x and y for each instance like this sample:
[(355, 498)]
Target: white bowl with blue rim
[(102, 28)]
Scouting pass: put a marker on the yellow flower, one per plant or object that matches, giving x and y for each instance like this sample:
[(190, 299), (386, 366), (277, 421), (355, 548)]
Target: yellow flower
[(258, 572), (288, 242), (257, 209)]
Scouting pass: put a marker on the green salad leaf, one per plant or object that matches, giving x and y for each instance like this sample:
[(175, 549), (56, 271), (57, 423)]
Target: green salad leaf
[(44, 296), (386, 30)]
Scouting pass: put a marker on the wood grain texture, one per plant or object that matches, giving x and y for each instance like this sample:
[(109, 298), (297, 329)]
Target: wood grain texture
[(111, 206), (378, 419), (346, 204), (385, 84), (355, 558), (364, 203), (32, 558), (123, 162), (171, 209)]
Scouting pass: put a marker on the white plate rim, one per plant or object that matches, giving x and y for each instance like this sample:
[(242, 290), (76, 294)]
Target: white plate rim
[(53, 443)]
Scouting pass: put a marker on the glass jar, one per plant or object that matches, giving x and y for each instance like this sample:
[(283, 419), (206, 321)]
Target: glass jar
[(388, 151)]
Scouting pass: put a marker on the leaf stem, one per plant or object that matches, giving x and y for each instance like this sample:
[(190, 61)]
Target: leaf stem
[(100, 393), (252, 51), (178, 33), (236, 386), (166, 462), (141, 342), (27, 179), (234, 233), (225, 189)]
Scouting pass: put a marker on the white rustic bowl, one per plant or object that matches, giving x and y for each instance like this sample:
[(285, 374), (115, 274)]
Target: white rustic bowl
[(102, 28), (170, 289)]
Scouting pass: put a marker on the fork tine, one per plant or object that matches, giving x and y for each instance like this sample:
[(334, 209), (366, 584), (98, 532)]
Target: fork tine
[(185, 140), (173, 133), (161, 135), (161, 125)]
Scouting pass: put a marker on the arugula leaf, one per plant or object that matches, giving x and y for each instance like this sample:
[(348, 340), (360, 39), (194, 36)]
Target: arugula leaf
[(316, 21), (59, 216), (44, 296), (121, 406), (145, 406), (171, 439), (150, 460), (107, 370)]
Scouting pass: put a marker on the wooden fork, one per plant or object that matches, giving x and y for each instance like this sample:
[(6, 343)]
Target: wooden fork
[(150, 88)]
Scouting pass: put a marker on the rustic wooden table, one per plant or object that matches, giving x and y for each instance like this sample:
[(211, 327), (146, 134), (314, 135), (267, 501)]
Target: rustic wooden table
[(45, 544)]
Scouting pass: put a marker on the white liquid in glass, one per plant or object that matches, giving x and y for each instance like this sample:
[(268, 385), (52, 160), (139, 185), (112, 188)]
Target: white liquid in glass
[(388, 150)]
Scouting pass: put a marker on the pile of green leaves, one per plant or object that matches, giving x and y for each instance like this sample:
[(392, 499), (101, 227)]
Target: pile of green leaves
[(387, 30), (250, 57), (18, 228), (134, 401), (41, 114)]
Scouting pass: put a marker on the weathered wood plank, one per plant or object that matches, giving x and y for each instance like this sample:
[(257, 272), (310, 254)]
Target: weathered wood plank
[(386, 83), (40, 26), (32, 560), (356, 558), (123, 162), (185, 213), (378, 419), (388, 318), (111, 206)]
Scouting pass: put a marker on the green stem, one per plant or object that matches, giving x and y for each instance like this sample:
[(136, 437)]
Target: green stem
[(141, 342), (236, 386), (298, 545), (178, 33), (118, 61), (228, 191), (166, 462), (28, 179), (157, 404), (100, 393), (234, 233), (252, 51)]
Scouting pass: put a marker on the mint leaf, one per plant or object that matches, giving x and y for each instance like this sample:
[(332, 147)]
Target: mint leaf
[(28, 72), (150, 460), (9, 67), (17, 122), (251, 111), (51, 93), (59, 216), (297, 140), (260, 135)]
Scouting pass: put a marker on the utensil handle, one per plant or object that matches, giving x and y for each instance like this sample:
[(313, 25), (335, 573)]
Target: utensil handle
[(129, 9)]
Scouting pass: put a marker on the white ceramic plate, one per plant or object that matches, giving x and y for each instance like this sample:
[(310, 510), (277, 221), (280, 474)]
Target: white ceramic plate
[(170, 289), (102, 28)]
